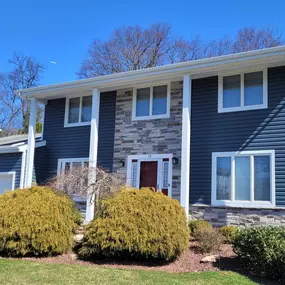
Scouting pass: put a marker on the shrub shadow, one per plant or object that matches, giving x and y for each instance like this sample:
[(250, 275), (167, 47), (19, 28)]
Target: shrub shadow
[(233, 264)]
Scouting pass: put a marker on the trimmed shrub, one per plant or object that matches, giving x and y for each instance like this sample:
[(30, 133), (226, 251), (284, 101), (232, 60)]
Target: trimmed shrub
[(196, 225), (210, 240), (228, 232), (137, 224), (36, 222), (262, 250)]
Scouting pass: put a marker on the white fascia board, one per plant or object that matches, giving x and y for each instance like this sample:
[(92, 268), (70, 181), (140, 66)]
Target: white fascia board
[(19, 148), (193, 68)]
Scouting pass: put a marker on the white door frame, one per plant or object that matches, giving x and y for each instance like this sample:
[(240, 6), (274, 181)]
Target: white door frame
[(13, 174), (151, 157)]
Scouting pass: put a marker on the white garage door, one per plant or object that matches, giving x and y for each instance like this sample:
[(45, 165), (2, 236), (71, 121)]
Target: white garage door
[(6, 181)]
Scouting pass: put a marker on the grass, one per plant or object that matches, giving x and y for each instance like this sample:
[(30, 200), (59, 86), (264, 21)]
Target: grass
[(28, 272)]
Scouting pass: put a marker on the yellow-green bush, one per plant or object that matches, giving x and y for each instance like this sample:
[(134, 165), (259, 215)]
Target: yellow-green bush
[(229, 233), (196, 225), (36, 221), (137, 224)]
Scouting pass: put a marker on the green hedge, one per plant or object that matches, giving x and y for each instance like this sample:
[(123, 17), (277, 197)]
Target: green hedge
[(137, 224), (262, 250), (36, 221)]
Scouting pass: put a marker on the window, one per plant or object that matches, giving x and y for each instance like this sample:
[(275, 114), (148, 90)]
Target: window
[(245, 91), (243, 179), (66, 164), (151, 102), (78, 111), (165, 174), (134, 173)]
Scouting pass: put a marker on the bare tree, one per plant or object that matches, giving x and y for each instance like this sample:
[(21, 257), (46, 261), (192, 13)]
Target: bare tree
[(129, 48), (133, 48), (252, 38), (15, 109), (77, 182)]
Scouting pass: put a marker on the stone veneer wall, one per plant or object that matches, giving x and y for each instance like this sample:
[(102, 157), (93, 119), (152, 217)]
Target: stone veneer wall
[(243, 217), (157, 136)]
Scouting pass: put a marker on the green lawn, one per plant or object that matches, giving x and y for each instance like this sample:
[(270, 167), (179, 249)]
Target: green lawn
[(28, 272)]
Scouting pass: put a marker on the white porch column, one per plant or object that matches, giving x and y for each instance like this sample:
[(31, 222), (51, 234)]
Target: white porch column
[(31, 143), (185, 151), (93, 150)]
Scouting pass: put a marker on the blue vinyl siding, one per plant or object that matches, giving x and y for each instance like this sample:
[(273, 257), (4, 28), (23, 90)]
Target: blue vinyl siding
[(12, 162), (235, 131), (73, 142)]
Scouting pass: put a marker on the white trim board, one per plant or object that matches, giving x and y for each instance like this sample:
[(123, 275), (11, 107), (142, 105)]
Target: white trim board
[(248, 204), (151, 157), (20, 147)]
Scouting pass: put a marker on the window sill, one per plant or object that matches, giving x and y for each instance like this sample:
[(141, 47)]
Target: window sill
[(245, 108), (70, 125), (244, 204), (148, 118)]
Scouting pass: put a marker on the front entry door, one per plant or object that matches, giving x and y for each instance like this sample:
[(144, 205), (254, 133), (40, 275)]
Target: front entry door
[(148, 174)]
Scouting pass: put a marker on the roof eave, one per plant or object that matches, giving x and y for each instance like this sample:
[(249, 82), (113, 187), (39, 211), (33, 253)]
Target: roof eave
[(194, 68)]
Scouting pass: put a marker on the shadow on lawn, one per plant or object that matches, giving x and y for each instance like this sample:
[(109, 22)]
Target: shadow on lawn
[(233, 264)]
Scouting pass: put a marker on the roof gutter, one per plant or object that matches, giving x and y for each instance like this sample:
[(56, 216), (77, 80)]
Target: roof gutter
[(179, 69)]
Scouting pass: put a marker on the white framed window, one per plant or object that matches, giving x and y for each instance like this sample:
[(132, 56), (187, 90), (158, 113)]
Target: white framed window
[(243, 179), (165, 166), (134, 173), (243, 91), (151, 102), (78, 111), (66, 164)]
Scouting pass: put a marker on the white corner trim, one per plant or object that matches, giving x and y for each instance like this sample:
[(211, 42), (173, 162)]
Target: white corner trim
[(31, 143), (93, 150), (13, 173), (151, 157), (185, 148), (242, 107), (66, 111), (151, 116), (247, 204), (23, 169)]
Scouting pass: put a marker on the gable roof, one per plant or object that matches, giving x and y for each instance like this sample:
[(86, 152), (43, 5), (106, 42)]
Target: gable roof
[(197, 69)]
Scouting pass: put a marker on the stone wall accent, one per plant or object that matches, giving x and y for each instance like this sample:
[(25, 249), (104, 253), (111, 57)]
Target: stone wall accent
[(243, 217), (158, 136)]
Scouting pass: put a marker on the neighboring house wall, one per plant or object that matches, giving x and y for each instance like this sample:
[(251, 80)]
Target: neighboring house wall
[(73, 142), (12, 162), (157, 136)]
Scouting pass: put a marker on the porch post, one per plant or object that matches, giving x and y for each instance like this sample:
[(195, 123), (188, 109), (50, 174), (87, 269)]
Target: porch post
[(185, 151), (93, 150), (31, 143)]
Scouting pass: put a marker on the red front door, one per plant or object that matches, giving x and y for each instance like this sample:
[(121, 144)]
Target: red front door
[(148, 174)]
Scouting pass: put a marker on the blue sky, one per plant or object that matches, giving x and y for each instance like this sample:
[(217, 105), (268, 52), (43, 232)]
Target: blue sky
[(62, 31)]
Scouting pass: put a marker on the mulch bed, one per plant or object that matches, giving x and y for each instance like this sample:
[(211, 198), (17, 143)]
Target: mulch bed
[(188, 262)]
